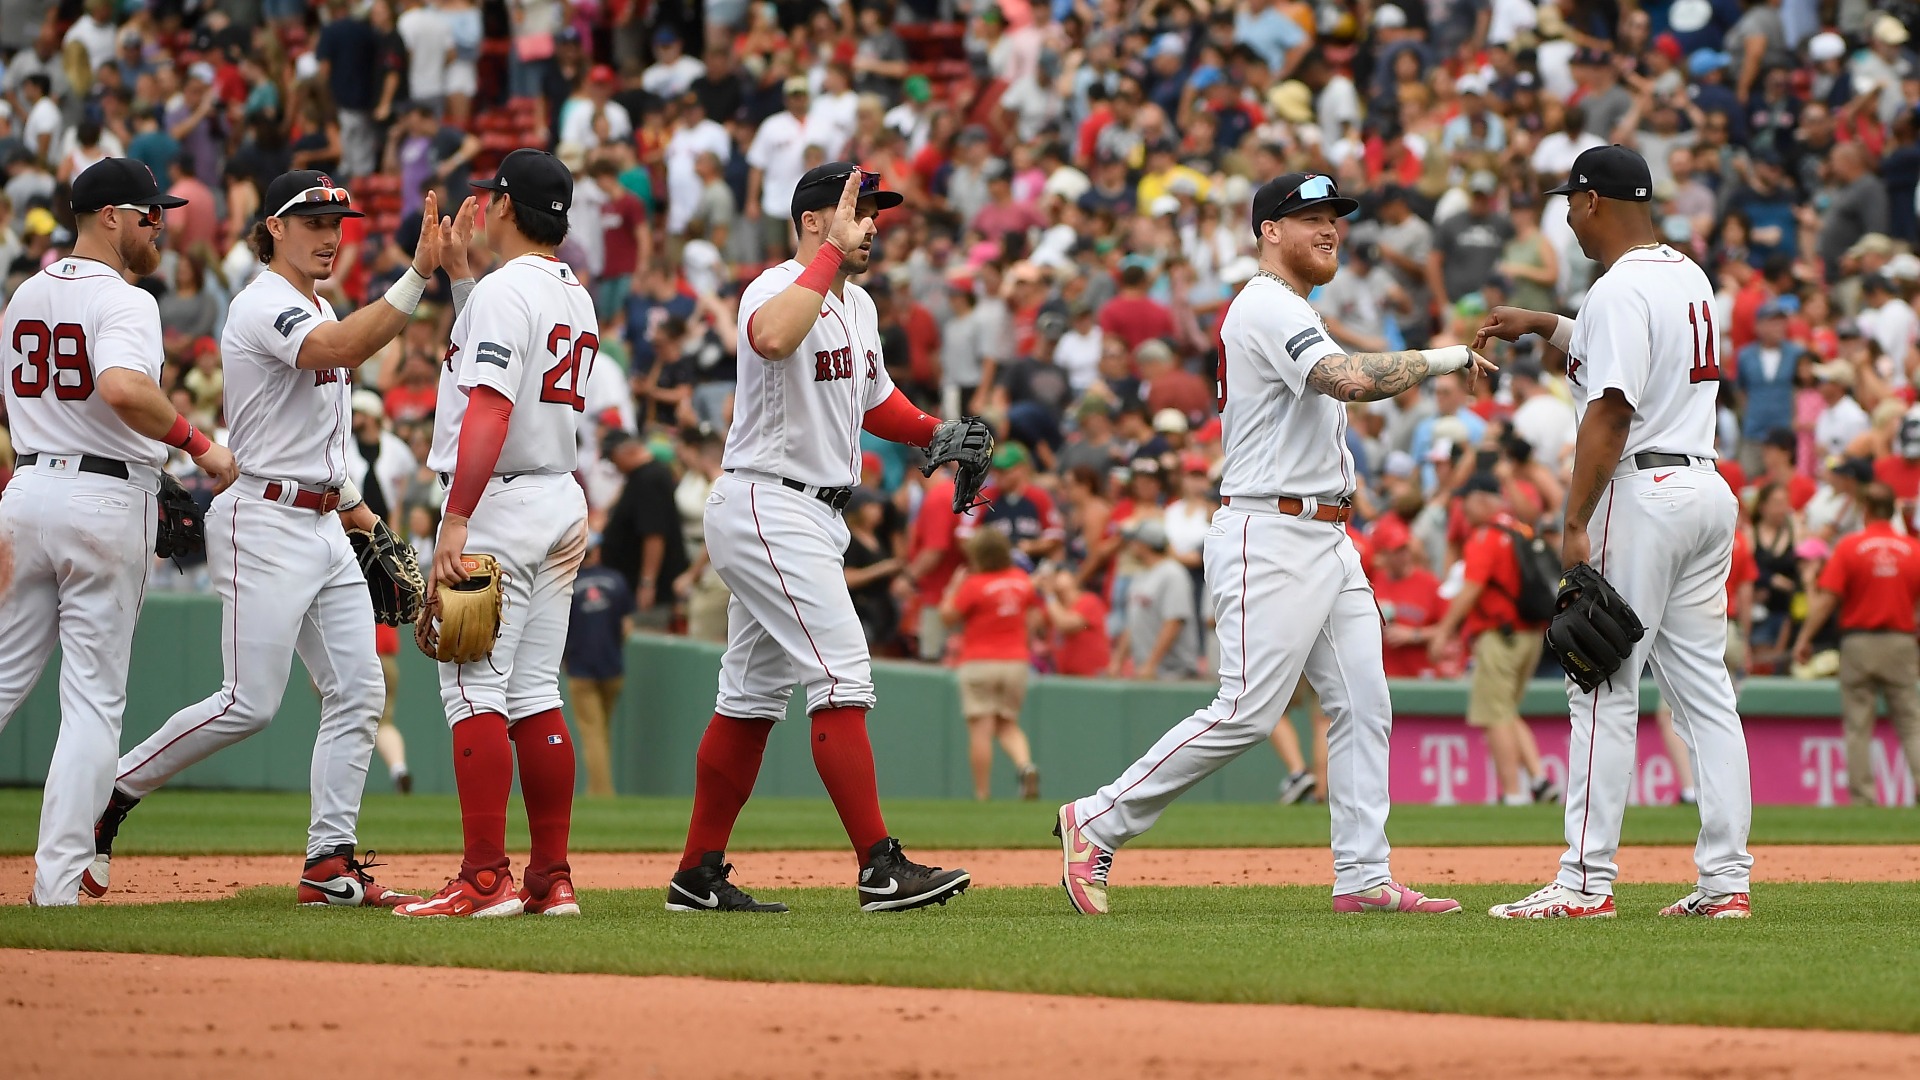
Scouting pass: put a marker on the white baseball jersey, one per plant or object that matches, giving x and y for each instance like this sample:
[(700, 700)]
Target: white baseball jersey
[(1653, 302), (799, 416), (1281, 437), (285, 423), (528, 331), (63, 327)]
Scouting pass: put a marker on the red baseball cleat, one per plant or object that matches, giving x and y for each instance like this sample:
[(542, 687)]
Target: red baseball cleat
[(492, 896), (558, 901), (340, 880), (1556, 901), (1706, 905)]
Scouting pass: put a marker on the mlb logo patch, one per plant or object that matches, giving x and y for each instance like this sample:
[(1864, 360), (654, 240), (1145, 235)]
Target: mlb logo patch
[(555, 740)]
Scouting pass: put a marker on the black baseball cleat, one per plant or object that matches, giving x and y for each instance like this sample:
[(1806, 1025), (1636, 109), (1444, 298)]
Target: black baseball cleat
[(706, 888), (94, 879), (893, 882)]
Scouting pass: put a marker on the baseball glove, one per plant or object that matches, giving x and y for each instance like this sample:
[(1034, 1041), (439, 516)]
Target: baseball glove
[(1595, 630), (968, 442), (393, 574), (460, 622), (183, 528)]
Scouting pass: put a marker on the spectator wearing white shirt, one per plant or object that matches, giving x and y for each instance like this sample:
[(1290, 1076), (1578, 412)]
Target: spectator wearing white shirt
[(96, 31), (696, 135), (428, 34), (835, 114), (911, 118), (1843, 418), (44, 122), (776, 160), (673, 71), (1891, 323), (1540, 416), (592, 118)]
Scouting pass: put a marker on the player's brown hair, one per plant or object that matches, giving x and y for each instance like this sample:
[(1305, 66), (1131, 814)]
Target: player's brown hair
[(261, 241), (990, 550), (1876, 502)]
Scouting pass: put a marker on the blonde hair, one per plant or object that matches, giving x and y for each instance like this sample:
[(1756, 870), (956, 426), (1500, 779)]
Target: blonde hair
[(990, 550)]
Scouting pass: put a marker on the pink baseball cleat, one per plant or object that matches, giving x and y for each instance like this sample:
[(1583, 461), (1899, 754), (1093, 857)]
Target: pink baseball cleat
[(1085, 865), (1706, 905), (1393, 897)]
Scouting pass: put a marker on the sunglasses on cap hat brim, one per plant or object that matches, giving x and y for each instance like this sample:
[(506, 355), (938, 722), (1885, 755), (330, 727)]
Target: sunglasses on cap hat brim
[(1312, 192), (316, 201), (869, 189)]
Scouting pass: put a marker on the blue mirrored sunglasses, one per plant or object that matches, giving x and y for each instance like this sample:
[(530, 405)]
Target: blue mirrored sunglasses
[(1315, 187), (869, 182)]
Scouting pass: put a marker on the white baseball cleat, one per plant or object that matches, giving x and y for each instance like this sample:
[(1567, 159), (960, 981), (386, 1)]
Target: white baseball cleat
[(1556, 901)]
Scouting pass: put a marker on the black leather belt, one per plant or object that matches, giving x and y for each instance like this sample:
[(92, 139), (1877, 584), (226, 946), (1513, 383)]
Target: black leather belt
[(1651, 460), (834, 497), (88, 464)]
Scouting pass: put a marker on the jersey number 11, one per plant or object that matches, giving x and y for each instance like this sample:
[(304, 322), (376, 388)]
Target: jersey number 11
[(1706, 352)]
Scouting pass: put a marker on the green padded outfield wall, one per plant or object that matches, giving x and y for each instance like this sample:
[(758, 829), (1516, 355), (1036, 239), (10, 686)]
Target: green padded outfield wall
[(1084, 731)]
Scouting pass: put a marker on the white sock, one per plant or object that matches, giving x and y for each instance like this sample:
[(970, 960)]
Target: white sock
[(1516, 800)]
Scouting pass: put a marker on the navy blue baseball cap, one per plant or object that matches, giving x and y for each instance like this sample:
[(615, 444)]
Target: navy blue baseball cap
[(535, 180), (118, 181), (1295, 192), (1611, 172), (822, 184), (307, 193)]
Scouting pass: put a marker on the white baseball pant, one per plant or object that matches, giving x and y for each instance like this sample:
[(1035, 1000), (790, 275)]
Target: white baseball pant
[(1289, 597), (74, 549), (1666, 546), (791, 619), (535, 526), (288, 582)]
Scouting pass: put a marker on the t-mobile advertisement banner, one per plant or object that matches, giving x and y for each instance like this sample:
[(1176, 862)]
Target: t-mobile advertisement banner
[(1796, 761)]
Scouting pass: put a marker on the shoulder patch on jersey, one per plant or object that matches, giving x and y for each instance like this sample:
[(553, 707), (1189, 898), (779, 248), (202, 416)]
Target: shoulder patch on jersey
[(1300, 341), (290, 318), (488, 352)]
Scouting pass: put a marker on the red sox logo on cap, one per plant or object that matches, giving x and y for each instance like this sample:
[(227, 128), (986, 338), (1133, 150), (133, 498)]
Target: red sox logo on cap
[(322, 180)]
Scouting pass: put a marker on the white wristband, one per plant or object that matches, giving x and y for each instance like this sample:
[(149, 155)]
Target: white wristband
[(1450, 359), (1562, 338), (405, 294), (350, 496)]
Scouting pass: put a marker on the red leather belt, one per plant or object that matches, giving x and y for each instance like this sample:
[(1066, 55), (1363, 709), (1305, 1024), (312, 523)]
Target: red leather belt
[(1286, 504), (319, 500)]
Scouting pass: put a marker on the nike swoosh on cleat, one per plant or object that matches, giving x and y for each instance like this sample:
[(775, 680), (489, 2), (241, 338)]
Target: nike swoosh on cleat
[(344, 892), (707, 901), (891, 888)]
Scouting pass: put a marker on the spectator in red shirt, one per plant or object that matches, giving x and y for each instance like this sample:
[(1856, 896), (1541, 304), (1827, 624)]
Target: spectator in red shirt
[(1900, 469), (1873, 579), (626, 242), (1079, 622), (1409, 599), (932, 557), (416, 395), (1132, 316), (1167, 385), (996, 606), (1779, 457), (1505, 649)]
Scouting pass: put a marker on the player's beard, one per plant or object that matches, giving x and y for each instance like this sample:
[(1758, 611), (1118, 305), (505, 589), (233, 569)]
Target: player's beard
[(1314, 266), (140, 252), (856, 261)]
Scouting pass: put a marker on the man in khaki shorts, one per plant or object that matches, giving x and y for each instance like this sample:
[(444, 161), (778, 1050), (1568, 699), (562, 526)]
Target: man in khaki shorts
[(1505, 649), (996, 607)]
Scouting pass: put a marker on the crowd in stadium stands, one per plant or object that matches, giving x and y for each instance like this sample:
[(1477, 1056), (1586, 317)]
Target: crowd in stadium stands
[(1077, 177)]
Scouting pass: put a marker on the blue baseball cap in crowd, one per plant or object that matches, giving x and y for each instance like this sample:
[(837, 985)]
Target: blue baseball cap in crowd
[(1707, 61)]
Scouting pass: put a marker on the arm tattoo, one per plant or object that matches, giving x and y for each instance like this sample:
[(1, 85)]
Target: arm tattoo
[(1597, 482), (1367, 376)]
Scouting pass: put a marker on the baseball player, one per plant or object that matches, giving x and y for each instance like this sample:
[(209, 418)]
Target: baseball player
[(511, 394), (279, 557), (811, 377), (81, 374), (1280, 563), (1650, 513)]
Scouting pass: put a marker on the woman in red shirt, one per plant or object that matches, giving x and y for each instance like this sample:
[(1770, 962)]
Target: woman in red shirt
[(995, 605), (1079, 619)]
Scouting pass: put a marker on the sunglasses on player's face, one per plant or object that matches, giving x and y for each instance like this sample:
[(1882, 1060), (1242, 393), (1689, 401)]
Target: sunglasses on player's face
[(150, 216), (317, 195)]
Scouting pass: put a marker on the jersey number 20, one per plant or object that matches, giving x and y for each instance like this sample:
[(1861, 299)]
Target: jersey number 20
[(1706, 352), (575, 364), (47, 357)]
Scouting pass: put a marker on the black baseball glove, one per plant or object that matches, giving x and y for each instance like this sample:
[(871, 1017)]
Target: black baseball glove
[(393, 574), (967, 441), (1594, 632), (182, 529)]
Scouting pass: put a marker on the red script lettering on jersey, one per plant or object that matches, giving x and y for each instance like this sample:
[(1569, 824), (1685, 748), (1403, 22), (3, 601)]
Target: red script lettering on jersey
[(832, 364)]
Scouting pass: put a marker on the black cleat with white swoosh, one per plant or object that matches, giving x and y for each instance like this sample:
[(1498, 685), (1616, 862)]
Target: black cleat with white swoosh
[(705, 888), (893, 882)]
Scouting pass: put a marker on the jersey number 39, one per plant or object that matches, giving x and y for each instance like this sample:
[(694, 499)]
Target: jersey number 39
[(575, 356), (52, 358)]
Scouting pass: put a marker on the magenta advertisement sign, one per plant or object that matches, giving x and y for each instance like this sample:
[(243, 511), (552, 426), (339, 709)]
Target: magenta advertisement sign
[(1799, 761)]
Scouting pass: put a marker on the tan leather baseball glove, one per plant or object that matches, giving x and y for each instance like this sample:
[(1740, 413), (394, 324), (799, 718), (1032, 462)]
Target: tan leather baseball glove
[(461, 622)]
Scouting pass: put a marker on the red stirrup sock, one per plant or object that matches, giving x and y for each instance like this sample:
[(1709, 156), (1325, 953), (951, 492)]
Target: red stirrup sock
[(723, 774), (545, 750), (483, 772), (844, 758)]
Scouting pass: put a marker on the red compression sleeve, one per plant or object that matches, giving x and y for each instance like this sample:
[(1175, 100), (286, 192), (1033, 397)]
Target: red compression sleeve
[(818, 276), (896, 420), (481, 435), (187, 437)]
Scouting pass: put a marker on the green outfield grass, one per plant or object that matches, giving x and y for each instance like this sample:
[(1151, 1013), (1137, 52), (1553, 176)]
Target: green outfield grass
[(236, 823), (1816, 956)]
